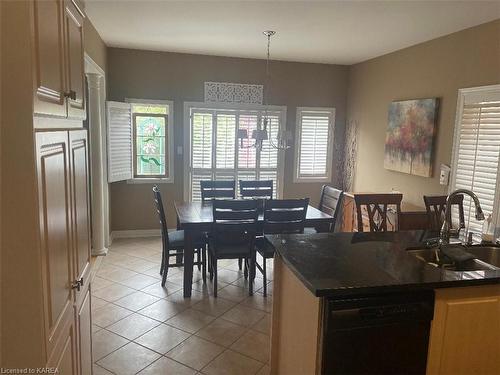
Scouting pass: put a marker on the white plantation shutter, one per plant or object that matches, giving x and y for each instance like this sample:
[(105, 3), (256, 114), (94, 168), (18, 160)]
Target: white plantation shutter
[(476, 158), (314, 144), (215, 151), (119, 119)]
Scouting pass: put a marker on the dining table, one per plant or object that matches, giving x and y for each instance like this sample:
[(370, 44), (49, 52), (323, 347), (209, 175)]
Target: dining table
[(196, 217)]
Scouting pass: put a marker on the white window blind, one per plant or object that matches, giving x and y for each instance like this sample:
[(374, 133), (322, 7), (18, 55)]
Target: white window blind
[(476, 160), (314, 144), (120, 166), (215, 151)]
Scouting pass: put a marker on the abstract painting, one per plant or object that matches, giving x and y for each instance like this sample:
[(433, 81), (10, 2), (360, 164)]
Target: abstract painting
[(410, 136)]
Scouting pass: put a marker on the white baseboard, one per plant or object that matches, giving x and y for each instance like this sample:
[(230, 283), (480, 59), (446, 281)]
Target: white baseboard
[(135, 233)]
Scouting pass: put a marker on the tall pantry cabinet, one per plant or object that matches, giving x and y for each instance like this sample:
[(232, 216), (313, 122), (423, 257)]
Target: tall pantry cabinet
[(60, 256)]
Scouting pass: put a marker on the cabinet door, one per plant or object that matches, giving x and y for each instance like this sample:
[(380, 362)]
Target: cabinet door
[(64, 358), (48, 59), (80, 226), (56, 254), (85, 335), (74, 62), (465, 331)]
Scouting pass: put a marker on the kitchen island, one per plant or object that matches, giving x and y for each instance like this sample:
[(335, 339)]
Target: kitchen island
[(315, 273)]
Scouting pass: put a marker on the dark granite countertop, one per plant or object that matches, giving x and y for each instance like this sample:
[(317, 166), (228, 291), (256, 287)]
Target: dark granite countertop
[(343, 264)]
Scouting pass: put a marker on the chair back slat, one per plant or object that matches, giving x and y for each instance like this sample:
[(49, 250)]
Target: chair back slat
[(161, 213), (377, 207), (330, 203), (217, 189), (436, 207), (256, 189), (285, 215), (235, 222)]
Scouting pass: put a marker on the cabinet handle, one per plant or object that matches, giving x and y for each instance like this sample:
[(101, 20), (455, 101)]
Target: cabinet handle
[(71, 94), (77, 284)]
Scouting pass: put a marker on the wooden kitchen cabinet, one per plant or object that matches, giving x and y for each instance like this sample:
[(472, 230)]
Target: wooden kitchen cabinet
[(58, 59), (465, 333), (75, 79), (62, 167), (48, 58)]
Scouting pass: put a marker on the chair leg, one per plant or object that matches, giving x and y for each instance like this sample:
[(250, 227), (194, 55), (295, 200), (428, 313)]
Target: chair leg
[(264, 273), (199, 259), (214, 266), (250, 279), (245, 272), (204, 265), (162, 266), (165, 271), (240, 264)]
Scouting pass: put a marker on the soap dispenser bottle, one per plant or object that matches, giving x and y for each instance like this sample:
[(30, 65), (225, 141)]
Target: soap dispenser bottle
[(488, 232)]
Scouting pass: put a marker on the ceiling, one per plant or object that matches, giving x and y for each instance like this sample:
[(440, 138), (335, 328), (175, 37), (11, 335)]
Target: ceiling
[(336, 32)]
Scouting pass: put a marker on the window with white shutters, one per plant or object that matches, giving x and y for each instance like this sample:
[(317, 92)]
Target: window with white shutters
[(476, 156), (216, 152), (140, 141), (314, 144)]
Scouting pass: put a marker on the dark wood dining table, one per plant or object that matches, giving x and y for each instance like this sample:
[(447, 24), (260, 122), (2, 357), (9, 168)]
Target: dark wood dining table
[(196, 217)]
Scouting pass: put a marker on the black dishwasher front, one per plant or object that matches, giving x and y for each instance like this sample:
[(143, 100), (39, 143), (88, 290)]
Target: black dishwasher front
[(387, 334)]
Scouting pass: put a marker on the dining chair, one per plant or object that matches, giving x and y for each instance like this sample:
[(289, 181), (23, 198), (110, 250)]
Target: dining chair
[(211, 190), (436, 206), (173, 243), (256, 189), (377, 208), (330, 203), (233, 235), (280, 216)]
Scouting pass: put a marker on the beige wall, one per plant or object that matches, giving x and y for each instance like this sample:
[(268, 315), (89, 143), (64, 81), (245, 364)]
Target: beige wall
[(93, 44), (180, 77), (437, 68)]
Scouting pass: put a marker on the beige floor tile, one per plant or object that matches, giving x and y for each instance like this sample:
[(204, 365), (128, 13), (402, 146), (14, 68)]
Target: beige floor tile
[(195, 352), (231, 363), (263, 325), (178, 297), (95, 328), (136, 301), (133, 326), (253, 344), (243, 315), (97, 303), (243, 283), (266, 370), (208, 287), (269, 289), (162, 338), (105, 342), (139, 281), (233, 293), (141, 265), (129, 359), (153, 272), (190, 320), (222, 332), (167, 366), (99, 283), (259, 302), (120, 274), (228, 276), (106, 269), (98, 370), (162, 310), (113, 292), (162, 291), (214, 306), (109, 314)]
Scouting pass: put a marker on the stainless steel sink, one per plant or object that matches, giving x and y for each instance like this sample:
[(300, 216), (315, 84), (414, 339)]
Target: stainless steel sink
[(488, 254), (487, 258)]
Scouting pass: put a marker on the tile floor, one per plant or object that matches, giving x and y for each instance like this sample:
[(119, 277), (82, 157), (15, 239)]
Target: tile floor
[(141, 328)]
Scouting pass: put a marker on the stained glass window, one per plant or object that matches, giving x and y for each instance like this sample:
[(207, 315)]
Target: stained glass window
[(150, 143)]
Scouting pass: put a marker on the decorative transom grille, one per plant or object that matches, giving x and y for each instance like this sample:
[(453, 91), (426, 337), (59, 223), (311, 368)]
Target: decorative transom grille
[(224, 92)]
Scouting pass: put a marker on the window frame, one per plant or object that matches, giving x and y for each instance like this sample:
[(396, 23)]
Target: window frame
[(169, 143), (220, 107), (463, 93), (297, 178)]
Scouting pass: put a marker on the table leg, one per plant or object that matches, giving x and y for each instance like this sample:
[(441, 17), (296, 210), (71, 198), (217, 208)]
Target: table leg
[(188, 261)]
